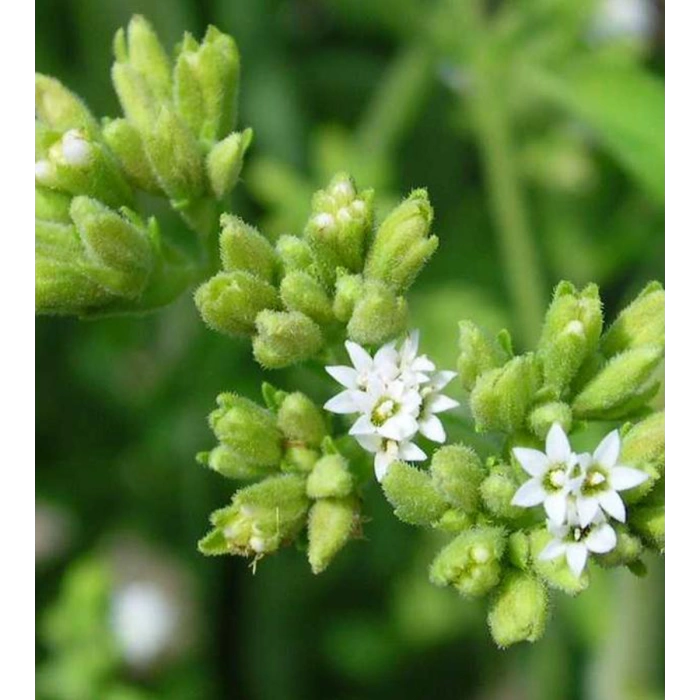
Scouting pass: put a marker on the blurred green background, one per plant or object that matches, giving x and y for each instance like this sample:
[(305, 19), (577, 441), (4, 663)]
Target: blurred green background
[(537, 127)]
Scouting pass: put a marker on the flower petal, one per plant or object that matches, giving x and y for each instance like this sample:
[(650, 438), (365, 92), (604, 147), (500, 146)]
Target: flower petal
[(576, 556), (612, 504), (555, 507), (344, 402), (399, 427), (433, 429), (587, 507), (371, 443), (623, 478), (552, 550), (558, 448), (532, 461), (608, 450), (601, 539), (411, 452), (442, 379), (347, 376), (382, 462), (439, 403), (359, 357), (531, 493), (422, 364), (363, 426)]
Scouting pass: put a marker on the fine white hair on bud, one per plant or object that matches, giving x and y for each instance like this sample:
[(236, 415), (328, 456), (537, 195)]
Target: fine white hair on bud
[(43, 172), (575, 328), (324, 221), (343, 190), (396, 395), (76, 150), (343, 215), (358, 207)]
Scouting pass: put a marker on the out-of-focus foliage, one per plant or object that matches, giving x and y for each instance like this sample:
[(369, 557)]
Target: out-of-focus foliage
[(401, 94)]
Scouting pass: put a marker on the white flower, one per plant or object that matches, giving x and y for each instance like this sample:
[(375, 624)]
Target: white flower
[(601, 479), (576, 541), (386, 452), (552, 475), (397, 395)]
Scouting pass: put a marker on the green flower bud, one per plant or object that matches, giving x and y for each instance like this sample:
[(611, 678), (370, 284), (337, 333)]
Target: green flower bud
[(230, 302), (302, 292), (300, 420), (413, 495), (477, 354), (261, 518), (294, 253), (402, 245), (628, 549), (379, 315), (206, 84), (50, 205), (555, 572), (470, 562), (571, 332), (544, 416), (123, 249), (285, 338), (519, 549), (518, 612), (340, 223), (135, 97), (501, 397), (618, 383), (497, 491), (299, 459), (244, 248), (457, 474), (650, 522), (248, 429), (330, 478), (175, 157), (643, 447), (59, 109), (229, 463), (641, 323), (225, 162), (348, 289), (454, 520), (331, 524), (125, 140)]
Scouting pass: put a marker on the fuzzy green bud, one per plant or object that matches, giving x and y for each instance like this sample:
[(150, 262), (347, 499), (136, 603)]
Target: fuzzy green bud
[(299, 459), (542, 418), (248, 429), (519, 549), (571, 332), (330, 478), (348, 289), (206, 84), (413, 495), (126, 142), (641, 323), (645, 442), (518, 612), (260, 519), (379, 315), (497, 491), (231, 301), (403, 245), (301, 421), (229, 463), (341, 219), (123, 249), (471, 562), (623, 379), (50, 205), (302, 292), (175, 157), (59, 109), (225, 162), (650, 522), (294, 253), (477, 354), (285, 338), (457, 474), (244, 248), (501, 397), (331, 524), (555, 572)]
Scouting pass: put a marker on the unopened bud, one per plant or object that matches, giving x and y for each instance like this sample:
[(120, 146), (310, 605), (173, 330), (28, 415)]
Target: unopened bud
[(59, 109), (225, 162), (302, 292), (244, 248), (331, 524), (229, 463), (301, 421), (294, 253), (284, 338), (650, 522), (518, 612), (330, 478), (348, 289), (477, 354), (126, 142), (413, 495), (544, 416), (379, 315), (457, 474)]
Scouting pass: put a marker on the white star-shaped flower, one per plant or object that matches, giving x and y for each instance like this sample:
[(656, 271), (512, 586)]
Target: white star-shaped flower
[(433, 403), (386, 452), (551, 471), (414, 368), (576, 541), (601, 479)]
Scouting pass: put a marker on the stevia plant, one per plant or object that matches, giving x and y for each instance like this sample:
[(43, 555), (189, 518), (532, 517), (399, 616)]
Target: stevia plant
[(573, 474)]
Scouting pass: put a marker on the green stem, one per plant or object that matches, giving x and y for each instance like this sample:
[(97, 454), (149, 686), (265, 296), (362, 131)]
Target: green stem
[(520, 258)]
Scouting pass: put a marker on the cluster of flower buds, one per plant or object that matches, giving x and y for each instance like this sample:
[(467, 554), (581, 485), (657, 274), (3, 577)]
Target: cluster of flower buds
[(339, 278), (397, 394), (301, 479)]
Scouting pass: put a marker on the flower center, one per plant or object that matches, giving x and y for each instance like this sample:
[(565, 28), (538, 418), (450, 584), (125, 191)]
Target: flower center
[(596, 480), (555, 478), (383, 410)]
